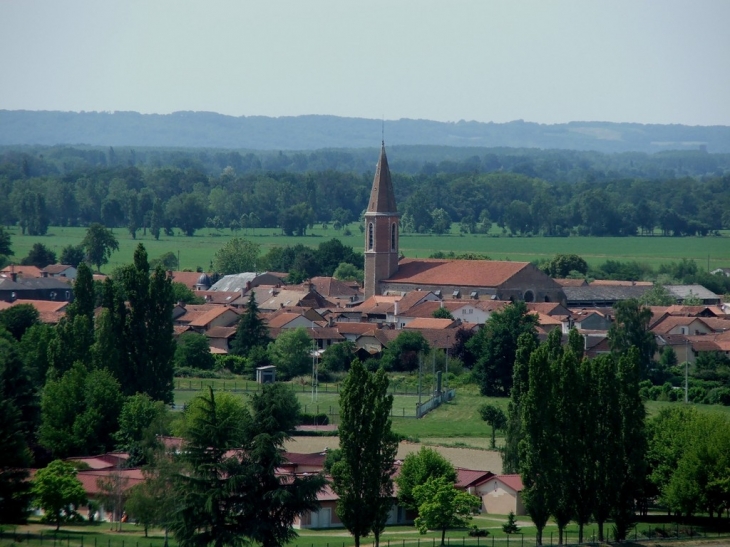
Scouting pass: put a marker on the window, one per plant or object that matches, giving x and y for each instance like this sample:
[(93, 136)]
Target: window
[(371, 236), (393, 237), (529, 296)]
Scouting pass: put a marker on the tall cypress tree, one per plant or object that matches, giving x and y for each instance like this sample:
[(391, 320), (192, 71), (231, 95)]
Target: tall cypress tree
[(362, 478)]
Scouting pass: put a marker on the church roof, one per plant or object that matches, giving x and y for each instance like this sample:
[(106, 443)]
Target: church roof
[(464, 273), (382, 197)]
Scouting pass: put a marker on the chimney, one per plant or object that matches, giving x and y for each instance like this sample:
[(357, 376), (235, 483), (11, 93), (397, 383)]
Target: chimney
[(44, 273), (180, 303), (397, 308), (13, 275)]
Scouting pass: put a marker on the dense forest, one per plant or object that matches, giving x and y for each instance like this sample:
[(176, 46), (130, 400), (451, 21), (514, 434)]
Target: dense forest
[(551, 193), (211, 130)]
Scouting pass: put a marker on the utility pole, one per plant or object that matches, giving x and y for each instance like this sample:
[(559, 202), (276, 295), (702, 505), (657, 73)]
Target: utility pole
[(686, 372)]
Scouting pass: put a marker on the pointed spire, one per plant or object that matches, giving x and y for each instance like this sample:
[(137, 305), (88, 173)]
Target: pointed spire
[(382, 197)]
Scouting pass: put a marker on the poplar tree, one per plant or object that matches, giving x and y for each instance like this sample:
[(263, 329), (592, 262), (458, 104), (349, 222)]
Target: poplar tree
[(536, 450), (147, 337), (362, 478), (526, 344), (564, 436), (632, 445), (607, 432)]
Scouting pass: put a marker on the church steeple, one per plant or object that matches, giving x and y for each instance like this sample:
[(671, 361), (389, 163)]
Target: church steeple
[(382, 225), (382, 197)]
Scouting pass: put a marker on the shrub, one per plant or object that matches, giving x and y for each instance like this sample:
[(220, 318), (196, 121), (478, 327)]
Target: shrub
[(476, 532)]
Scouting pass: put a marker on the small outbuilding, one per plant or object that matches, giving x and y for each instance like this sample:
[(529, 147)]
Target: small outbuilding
[(266, 375)]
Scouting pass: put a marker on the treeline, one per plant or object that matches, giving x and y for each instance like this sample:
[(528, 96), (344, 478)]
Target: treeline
[(576, 429), (552, 193)]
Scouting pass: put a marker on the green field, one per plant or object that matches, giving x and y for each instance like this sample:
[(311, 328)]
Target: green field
[(454, 423), (198, 251)]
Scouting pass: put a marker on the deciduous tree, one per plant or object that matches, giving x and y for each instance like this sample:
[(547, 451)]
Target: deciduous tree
[(99, 244), (58, 492), (238, 255), (419, 467), (495, 346), (441, 506)]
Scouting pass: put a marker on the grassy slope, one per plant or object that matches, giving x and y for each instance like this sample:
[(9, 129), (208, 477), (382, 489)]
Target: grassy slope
[(200, 249)]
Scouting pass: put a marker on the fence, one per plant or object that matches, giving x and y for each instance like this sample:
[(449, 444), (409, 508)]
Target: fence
[(434, 402), (72, 539), (674, 532), (249, 386)]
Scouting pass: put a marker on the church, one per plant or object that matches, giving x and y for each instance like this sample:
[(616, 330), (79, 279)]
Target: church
[(387, 273)]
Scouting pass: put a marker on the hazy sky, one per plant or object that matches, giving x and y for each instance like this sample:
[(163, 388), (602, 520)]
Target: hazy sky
[(543, 61)]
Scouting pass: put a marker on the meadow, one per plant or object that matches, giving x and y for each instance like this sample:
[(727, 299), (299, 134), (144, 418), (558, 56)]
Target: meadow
[(198, 251)]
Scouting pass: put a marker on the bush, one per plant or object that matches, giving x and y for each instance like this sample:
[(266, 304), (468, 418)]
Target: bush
[(476, 532), (234, 363), (190, 372)]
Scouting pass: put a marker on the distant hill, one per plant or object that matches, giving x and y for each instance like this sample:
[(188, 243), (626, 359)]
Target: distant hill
[(210, 130)]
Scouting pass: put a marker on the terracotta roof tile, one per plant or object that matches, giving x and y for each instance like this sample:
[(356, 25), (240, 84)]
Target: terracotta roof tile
[(513, 481), (469, 477), (466, 273), (207, 317), (221, 332), (430, 323)]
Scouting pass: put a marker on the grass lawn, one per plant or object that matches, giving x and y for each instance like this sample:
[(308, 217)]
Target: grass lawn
[(456, 423), (198, 251)]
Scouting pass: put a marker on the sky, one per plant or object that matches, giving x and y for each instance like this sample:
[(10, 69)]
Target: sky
[(662, 61)]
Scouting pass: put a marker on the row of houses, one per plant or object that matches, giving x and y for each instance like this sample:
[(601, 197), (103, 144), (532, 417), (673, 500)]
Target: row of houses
[(107, 476)]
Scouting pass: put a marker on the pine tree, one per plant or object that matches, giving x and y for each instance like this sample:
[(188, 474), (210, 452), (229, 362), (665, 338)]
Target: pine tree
[(363, 476), (251, 331)]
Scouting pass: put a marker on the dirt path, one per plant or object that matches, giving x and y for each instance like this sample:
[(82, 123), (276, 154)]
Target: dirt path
[(468, 458)]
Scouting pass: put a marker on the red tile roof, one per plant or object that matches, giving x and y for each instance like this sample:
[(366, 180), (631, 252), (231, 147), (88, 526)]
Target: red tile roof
[(571, 282), (672, 321), (278, 321), (221, 332), (469, 477), (211, 315), (22, 271), (430, 323), (465, 273), (513, 481), (90, 479), (189, 279)]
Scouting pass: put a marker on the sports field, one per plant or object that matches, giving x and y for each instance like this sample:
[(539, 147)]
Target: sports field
[(199, 250)]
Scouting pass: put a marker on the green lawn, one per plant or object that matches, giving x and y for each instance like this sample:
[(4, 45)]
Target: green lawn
[(198, 251), (456, 422)]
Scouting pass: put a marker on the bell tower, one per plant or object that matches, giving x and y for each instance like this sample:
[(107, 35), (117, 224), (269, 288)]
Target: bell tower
[(382, 225)]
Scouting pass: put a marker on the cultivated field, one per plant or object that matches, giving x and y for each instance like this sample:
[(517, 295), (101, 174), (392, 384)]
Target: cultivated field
[(198, 251)]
